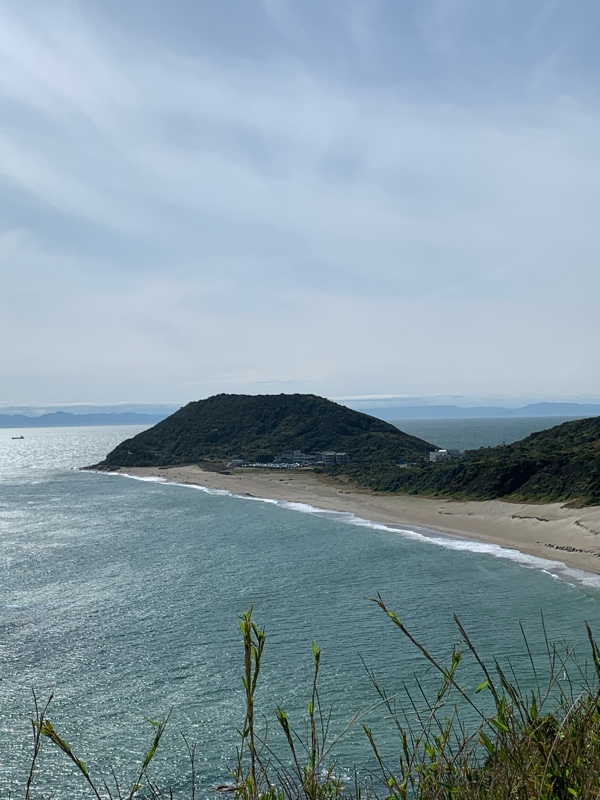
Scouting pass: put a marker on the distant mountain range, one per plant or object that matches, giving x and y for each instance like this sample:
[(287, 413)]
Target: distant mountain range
[(63, 419), (482, 412), (69, 419)]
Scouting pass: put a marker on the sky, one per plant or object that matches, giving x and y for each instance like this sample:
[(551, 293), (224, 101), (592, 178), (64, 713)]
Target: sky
[(356, 198)]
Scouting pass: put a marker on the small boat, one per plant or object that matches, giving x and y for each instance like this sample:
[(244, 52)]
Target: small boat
[(17, 437)]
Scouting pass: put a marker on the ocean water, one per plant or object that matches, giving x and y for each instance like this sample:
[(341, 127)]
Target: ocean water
[(469, 434), (121, 597)]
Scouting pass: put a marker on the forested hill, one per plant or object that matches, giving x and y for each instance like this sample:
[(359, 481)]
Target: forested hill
[(258, 427), (559, 464)]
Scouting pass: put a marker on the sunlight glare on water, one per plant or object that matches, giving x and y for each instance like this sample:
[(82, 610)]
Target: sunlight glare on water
[(121, 597)]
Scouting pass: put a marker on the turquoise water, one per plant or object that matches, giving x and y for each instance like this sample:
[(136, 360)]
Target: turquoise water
[(121, 597)]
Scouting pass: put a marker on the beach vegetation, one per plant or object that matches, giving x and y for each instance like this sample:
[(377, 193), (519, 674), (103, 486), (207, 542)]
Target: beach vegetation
[(498, 735)]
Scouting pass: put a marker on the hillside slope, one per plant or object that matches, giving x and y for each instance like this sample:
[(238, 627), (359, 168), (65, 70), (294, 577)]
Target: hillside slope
[(559, 464), (258, 427)]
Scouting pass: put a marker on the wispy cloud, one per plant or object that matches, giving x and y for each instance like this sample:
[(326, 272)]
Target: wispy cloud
[(212, 216)]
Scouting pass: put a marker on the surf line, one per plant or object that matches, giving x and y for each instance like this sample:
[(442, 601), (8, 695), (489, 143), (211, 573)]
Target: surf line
[(554, 569)]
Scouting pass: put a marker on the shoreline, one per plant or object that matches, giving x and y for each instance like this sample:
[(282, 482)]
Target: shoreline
[(570, 536)]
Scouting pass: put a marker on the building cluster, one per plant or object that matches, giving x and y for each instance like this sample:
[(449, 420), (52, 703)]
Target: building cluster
[(296, 458), (327, 457), (443, 455), (292, 459)]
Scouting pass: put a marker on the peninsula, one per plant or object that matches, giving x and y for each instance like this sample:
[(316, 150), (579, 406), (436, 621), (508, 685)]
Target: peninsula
[(513, 496)]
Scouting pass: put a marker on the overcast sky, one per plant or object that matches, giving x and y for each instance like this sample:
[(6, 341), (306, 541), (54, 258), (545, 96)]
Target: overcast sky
[(346, 197)]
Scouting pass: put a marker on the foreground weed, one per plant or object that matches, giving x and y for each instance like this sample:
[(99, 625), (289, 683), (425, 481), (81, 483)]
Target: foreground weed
[(498, 741), (44, 729), (263, 774), (521, 751)]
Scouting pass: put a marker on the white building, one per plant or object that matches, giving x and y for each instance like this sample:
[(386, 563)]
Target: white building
[(443, 455)]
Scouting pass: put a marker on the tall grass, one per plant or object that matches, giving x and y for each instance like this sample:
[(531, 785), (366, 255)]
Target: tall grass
[(499, 741)]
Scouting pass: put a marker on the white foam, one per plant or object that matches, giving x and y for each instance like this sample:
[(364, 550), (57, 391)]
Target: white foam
[(205, 489), (552, 575), (145, 479), (304, 508)]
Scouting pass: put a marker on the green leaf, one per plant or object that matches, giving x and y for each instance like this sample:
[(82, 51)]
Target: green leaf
[(499, 725), (486, 743)]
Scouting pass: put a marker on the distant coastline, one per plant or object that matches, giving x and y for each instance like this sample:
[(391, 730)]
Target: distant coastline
[(64, 419), (421, 412), (549, 531), (150, 415)]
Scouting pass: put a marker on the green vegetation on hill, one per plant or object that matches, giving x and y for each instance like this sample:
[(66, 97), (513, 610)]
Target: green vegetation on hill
[(559, 464), (258, 427)]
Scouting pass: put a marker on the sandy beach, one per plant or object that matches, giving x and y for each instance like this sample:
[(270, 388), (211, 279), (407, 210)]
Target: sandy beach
[(550, 531)]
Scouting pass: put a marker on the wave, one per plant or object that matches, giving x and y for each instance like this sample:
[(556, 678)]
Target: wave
[(554, 569)]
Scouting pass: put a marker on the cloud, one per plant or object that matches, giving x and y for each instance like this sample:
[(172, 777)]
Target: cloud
[(207, 220)]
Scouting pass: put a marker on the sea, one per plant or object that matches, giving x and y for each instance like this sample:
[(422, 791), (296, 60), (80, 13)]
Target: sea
[(120, 600)]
